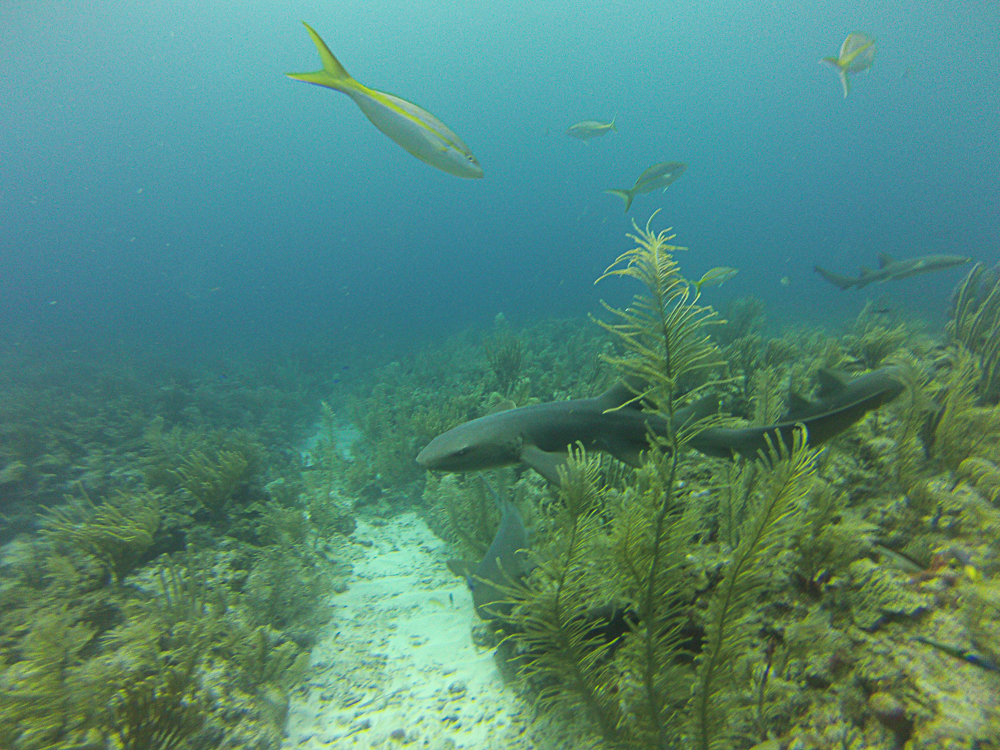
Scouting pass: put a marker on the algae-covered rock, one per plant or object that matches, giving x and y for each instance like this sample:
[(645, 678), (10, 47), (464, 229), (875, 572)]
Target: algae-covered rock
[(876, 595), (955, 702)]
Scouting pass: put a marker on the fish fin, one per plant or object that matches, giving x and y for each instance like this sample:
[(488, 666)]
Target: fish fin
[(836, 279), (332, 75), (546, 464), (884, 259), (700, 409), (831, 383), (462, 568), (625, 195), (797, 407), (620, 394), (613, 123), (503, 405), (627, 454), (836, 64)]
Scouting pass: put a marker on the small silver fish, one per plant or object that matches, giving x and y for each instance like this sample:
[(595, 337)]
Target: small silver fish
[(591, 129), (657, 176), (715, 277)]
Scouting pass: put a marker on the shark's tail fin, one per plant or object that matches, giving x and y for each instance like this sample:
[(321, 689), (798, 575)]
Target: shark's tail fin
[(625, 195), (332, 75), (613, 122), (843, 282)]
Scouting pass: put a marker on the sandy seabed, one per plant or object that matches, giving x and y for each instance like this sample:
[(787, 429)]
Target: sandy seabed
[(396, 666)]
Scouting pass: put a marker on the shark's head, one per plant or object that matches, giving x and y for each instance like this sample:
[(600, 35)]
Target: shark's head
[(484, 443)]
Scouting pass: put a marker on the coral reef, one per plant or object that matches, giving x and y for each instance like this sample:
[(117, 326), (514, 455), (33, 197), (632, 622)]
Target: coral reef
[(170, 536), (799, 601), (105, 641)]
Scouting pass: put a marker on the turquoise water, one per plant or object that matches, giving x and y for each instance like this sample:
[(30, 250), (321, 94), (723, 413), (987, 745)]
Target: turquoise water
[(167, 189), (232, 312)]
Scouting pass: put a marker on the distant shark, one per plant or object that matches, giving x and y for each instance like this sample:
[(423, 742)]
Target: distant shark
[(539, 435), (890, 268)]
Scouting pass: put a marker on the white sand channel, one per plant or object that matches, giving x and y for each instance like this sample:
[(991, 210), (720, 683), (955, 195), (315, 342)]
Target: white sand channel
[(397, 667)]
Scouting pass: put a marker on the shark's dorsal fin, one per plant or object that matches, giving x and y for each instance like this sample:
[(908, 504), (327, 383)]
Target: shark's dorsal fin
[(830, 383), (700, 409), (618, 395), (884, 259), (503, 405), (798, 406)]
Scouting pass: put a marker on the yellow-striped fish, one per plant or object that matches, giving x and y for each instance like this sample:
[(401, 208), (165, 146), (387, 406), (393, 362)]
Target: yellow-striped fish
[(657, 176), (591, 129), (857, 53), (412, 127), (715, 277)]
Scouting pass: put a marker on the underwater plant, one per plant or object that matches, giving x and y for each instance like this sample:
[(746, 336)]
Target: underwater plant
[(116, 533), (914, 409), (551, 615), (873, 342), (745, 316), (158, 713), (664, 337), (975, 324), (462, 512), (767, 395), (212, 479), (505, 354), (982, 474), (603, 624), (787, 475), (964, 429), (663, 332)]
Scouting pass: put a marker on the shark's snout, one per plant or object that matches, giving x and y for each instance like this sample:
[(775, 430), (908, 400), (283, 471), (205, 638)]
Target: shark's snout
[(424, 458), (436, 454)]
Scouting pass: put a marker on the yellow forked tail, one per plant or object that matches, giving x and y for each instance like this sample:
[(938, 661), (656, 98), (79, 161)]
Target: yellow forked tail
[(841, 69), (332, 75), (625, 195)]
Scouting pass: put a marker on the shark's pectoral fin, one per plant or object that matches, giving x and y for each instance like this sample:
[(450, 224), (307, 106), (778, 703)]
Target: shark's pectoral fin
[(627, 454), (545, 463)]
